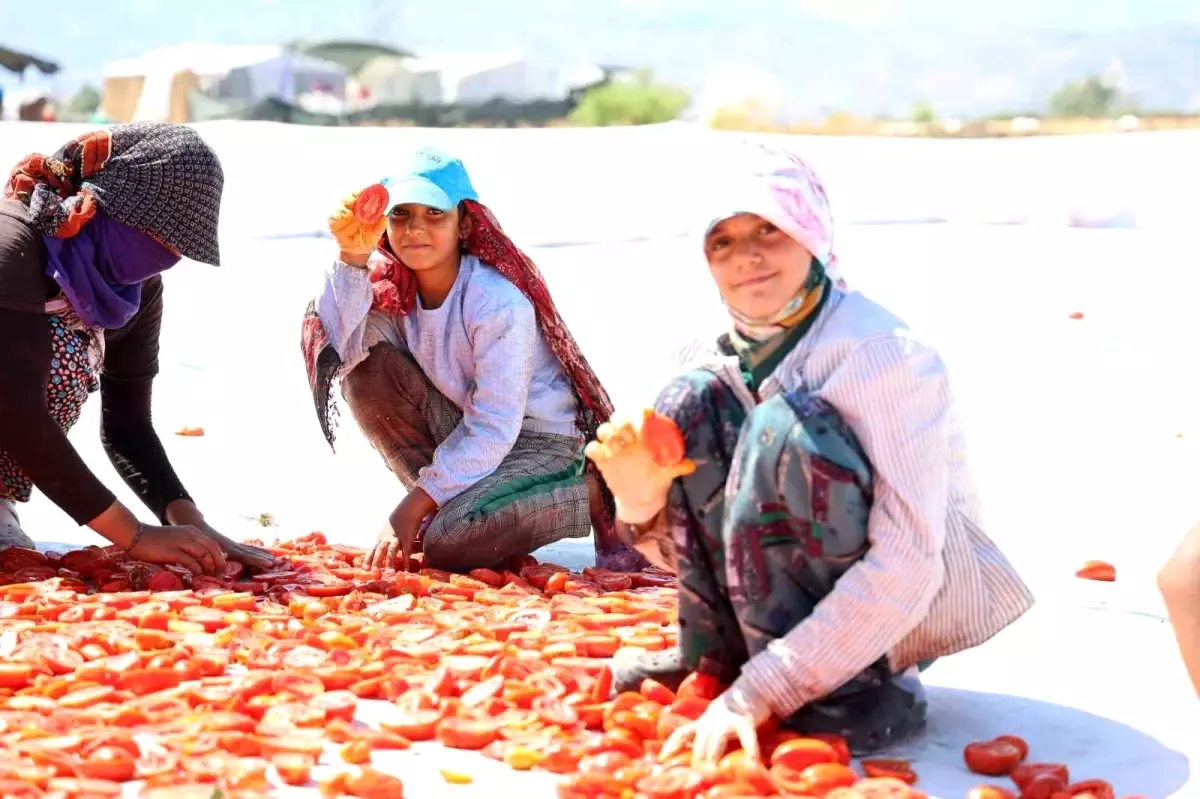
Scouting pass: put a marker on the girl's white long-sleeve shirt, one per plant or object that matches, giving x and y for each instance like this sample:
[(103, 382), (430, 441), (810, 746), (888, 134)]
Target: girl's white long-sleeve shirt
[(482, 348)]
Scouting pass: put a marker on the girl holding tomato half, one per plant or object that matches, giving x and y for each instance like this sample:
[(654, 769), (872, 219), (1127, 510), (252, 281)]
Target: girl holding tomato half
[(820, 513), (461, 373)]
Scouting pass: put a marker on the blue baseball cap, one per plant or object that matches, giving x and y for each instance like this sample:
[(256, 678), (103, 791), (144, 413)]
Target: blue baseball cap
[(432, 178)]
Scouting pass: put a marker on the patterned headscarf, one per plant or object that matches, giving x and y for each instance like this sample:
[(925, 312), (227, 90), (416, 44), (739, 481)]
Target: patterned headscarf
[(776, 185), (161, 179), (395, 293)]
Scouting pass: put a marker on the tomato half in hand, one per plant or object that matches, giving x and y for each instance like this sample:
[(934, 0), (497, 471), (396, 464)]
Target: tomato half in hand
[(663, 438), (371, 204)]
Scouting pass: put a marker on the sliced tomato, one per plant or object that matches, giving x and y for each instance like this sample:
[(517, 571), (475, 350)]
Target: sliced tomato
[(1025, 773), (553, 711), (415, 725), (107, 763), (678, 782), (991, 758), (889, 768), (458, 733), (663, 438), (483, 691), (293, 768), (371, 204), (336, 704)]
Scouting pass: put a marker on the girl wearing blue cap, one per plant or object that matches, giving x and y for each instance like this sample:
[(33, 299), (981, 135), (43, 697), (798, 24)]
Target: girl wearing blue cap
[(461, 373), (823, 522)]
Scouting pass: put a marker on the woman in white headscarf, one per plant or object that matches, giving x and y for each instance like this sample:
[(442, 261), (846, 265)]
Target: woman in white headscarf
[(824, 525)]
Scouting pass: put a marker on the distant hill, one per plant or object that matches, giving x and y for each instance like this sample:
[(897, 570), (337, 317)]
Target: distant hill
[(823, 64)]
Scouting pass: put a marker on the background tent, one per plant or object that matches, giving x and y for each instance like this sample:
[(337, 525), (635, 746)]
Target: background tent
[(159, 85)]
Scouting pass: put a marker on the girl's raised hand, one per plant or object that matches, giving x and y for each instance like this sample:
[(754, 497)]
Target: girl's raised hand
[(360, 220)]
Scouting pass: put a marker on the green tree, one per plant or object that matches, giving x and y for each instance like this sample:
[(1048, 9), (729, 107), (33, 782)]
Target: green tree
[(632, 100), (924, 113), (1091, 97), (85, 103)]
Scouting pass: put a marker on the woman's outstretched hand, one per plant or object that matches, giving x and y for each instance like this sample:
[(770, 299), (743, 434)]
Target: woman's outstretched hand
[(631, 464), (179, 545), (183, 512)]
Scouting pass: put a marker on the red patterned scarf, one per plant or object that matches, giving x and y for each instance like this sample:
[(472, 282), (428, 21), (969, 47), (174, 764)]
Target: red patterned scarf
[(395, 293), (63, 175)]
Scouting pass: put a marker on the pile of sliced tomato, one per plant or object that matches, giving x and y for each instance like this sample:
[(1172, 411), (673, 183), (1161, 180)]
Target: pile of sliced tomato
[(113, 671), (1007, 756)]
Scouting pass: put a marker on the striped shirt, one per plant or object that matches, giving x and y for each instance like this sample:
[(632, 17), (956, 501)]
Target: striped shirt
[(931, 583)]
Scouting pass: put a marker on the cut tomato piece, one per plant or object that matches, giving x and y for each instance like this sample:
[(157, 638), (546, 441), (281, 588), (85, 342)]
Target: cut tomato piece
[(1098, 570), (149, 681), (991, 758), (415, 725), (371, 784), (458, 733), (483, 691), (679, 782), (554, 712), (1018, 742), (889, 768), (1025, 773), (371, 204), (336, 704), (837, 742), (107, 763), (663, 438)]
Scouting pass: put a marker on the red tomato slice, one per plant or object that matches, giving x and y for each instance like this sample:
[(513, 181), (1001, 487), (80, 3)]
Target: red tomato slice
[(889, 768), (415, 725), (674, 783), (336, 704), (459, 733), (555, 712), (371, 204), (482, 692), (663, 438)]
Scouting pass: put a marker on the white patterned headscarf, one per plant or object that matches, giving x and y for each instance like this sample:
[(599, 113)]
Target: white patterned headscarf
[(775, 184)]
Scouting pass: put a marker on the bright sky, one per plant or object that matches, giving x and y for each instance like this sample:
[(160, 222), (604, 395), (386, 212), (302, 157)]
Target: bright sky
[(124, 28), (1074, 14)]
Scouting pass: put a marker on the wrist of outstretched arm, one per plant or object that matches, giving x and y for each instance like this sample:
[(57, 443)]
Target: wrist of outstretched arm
[(117, 524)]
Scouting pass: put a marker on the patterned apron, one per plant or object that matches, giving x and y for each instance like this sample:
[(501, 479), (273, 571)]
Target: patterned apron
[(77, 354)]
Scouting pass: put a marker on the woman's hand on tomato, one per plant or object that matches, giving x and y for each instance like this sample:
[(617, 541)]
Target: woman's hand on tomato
[(185, 513), (731, 715), (183, 545), (399, 537), (637, 479)]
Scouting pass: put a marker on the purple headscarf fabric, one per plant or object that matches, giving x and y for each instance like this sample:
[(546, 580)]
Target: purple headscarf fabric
[(101, 269)]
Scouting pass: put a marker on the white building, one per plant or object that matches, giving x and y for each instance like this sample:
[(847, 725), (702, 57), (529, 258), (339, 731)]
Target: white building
[(397, 80), (472, 78), (155, 85)]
